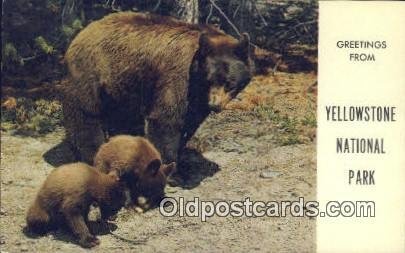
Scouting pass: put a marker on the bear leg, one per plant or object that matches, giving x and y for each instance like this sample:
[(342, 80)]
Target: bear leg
[(165, 137), (77, 224), (84, 132), (89, 137), (38, 220)]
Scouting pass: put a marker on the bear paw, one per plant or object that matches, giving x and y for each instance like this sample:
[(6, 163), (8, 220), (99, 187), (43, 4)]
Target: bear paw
[(89, 241)]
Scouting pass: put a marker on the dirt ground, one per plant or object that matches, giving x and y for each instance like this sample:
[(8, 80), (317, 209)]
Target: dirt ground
[(262, 147)]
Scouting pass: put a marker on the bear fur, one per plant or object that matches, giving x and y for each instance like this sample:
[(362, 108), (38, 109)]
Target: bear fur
[(143, 74), (139, 164), (65, 198)]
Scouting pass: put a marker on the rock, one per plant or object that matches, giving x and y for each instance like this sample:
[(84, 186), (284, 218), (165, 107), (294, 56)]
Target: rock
[(269, 174), (3, 212)]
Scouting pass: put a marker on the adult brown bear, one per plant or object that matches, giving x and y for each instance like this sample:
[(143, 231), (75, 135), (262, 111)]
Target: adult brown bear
[(142, 74)]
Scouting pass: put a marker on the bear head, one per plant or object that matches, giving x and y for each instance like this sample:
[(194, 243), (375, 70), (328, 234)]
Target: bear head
[(226, 64), (150, 186)]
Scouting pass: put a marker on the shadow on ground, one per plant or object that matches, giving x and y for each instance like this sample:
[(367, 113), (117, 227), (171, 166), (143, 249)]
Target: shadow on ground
[(64, 234), (59, 154), (195, 168)]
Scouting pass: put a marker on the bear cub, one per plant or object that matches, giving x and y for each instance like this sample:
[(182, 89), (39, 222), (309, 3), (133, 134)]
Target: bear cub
[(138, 163), (65, 198)]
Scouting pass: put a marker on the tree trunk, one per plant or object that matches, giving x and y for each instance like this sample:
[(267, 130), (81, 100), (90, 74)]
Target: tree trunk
[(187, 10)]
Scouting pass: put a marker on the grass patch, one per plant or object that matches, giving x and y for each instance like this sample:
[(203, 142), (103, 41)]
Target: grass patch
[(287, 132), (266, 112), (309, 120), (289, 139)]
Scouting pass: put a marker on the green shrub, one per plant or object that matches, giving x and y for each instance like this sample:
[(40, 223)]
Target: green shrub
[(32, 117), (42, 44)]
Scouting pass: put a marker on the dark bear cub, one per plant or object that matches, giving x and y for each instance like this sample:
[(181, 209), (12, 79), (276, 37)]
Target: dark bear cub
[(139, 164), (66, 196)]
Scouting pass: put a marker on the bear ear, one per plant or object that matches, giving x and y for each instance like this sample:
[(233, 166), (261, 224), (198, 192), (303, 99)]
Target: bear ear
[(169, 169), (243, 48), (153, 166), (204, 44)]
